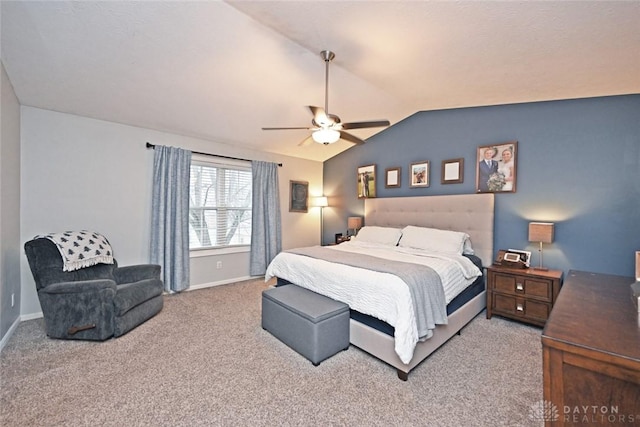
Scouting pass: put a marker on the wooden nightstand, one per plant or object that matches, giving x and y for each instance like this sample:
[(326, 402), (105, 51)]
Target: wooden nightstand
[(526, 295)]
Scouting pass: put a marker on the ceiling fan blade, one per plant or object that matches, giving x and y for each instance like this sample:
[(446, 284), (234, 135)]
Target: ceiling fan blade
[(307, 141), (306, 128), (362, 125), (351, 138)]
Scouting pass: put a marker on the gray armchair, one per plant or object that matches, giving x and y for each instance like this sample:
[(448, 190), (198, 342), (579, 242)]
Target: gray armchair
[(92, 303)]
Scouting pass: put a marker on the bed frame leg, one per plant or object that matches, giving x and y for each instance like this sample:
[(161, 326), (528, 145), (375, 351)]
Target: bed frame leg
[(403, 375)]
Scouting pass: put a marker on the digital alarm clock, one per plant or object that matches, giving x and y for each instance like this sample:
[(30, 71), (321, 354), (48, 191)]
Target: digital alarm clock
[(511, 257)]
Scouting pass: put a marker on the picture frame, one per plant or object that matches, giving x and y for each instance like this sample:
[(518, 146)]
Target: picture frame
[(392, 177), (298, 196), (419, 174), (496, 168), (366, 182), (525, 256), (452, 171)]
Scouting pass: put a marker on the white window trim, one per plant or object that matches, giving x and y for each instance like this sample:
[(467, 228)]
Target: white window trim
[(203, 252)]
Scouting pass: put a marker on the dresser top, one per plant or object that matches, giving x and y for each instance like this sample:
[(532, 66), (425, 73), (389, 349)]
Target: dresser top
[(595, 311)]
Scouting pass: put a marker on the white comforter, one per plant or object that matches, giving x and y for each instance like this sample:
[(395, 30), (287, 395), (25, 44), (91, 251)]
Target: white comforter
[(381, 295)]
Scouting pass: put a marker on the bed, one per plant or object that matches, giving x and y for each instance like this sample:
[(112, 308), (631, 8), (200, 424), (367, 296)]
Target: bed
[(471, 215)]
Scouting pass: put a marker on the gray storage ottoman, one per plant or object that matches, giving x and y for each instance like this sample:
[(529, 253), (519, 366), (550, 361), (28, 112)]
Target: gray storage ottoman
[(315, 326)]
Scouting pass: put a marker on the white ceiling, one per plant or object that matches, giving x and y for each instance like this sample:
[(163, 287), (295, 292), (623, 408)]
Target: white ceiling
[(223, 70)]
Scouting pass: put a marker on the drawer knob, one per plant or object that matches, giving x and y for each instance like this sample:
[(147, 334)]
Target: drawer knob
[(519, 287), (519, 307)]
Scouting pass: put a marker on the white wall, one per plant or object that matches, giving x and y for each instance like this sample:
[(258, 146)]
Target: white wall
[(9, 206), (82, 173)]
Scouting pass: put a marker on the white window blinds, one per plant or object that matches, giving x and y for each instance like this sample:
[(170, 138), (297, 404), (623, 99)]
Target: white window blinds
[(219, 205)]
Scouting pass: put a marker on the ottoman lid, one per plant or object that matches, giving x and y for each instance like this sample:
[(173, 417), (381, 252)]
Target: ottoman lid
[(305, 303)]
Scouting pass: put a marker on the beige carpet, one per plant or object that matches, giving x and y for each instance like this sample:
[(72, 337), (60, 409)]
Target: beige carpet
[(205, 361)]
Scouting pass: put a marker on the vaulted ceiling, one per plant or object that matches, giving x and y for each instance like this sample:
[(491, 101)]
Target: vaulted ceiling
[(223, 70)]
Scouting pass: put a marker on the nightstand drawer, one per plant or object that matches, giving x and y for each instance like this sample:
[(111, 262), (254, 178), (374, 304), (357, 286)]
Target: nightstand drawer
[(522, 285), (521, 307)]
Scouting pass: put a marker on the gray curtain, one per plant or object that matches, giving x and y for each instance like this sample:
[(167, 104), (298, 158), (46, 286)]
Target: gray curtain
[(266, 234), (170, 216)]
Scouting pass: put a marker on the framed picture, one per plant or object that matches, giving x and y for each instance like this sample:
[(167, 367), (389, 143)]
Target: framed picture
[(367, 182), (496, 168), (419, 174), (452, 171), (298, 196), (392, 177)]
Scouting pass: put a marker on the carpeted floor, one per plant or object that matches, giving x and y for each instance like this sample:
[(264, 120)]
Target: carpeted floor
[(206, 361)]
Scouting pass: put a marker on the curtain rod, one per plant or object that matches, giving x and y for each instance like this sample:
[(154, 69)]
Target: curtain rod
[(150, 145)]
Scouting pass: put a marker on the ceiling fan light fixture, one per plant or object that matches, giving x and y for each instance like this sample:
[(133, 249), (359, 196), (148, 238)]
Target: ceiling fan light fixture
[(326, 136)]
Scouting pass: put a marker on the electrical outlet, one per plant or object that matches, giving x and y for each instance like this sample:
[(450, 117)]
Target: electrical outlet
[(13, 299), (219, 265)]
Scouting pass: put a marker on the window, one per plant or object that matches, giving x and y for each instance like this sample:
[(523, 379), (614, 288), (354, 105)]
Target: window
[(219, 205)]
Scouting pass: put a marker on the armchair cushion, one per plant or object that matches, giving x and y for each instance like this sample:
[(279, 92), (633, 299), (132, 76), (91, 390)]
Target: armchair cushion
[(130, 295)]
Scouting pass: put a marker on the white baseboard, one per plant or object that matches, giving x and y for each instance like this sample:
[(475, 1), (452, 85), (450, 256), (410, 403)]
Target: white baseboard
[(31, 316), (221, 282), (9, 334)]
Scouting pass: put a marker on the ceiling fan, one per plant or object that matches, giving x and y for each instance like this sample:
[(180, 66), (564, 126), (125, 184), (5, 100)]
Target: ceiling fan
[(328, 128)]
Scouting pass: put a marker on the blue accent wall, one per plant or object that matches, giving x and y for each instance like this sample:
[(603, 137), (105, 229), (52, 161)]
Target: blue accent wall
[(577, 165)]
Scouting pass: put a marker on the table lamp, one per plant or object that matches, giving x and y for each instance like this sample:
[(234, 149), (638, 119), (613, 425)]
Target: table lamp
[(541, 232), (354, 223)]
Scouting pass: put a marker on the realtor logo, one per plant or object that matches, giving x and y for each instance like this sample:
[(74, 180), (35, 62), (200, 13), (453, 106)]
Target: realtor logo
[(543, 410)]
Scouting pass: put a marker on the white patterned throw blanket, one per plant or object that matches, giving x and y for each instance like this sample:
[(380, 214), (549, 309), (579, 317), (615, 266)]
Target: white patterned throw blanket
[(81, 249)]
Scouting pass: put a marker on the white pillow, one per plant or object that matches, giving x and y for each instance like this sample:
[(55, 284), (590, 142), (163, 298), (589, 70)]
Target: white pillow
[(468, 248), (381, 235), (436, 240)]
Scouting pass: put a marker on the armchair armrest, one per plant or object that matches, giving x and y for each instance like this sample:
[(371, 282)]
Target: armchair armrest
[(136, 273), (79, 287), (79, 309)]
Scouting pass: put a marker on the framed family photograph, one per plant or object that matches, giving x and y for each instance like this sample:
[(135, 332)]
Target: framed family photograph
[(367, 182), (496, 168), (452, 171), (419, 174), (392, 177), (298, 196)]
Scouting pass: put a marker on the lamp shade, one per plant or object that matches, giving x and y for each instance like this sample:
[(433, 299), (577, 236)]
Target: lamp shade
[(541, 232), (320, 202), (354, 222), (326, 136)]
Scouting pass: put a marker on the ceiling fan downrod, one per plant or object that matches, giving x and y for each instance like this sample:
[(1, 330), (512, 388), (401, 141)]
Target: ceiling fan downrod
[(327, 56)]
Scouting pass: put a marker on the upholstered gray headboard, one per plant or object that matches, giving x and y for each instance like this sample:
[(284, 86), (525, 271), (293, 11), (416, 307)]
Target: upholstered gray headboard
[(469, 213)]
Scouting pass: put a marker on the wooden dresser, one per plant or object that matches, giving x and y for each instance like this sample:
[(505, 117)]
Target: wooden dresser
[(591, 353)]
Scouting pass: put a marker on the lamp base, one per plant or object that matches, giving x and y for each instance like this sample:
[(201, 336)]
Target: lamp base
[(541, 268)]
